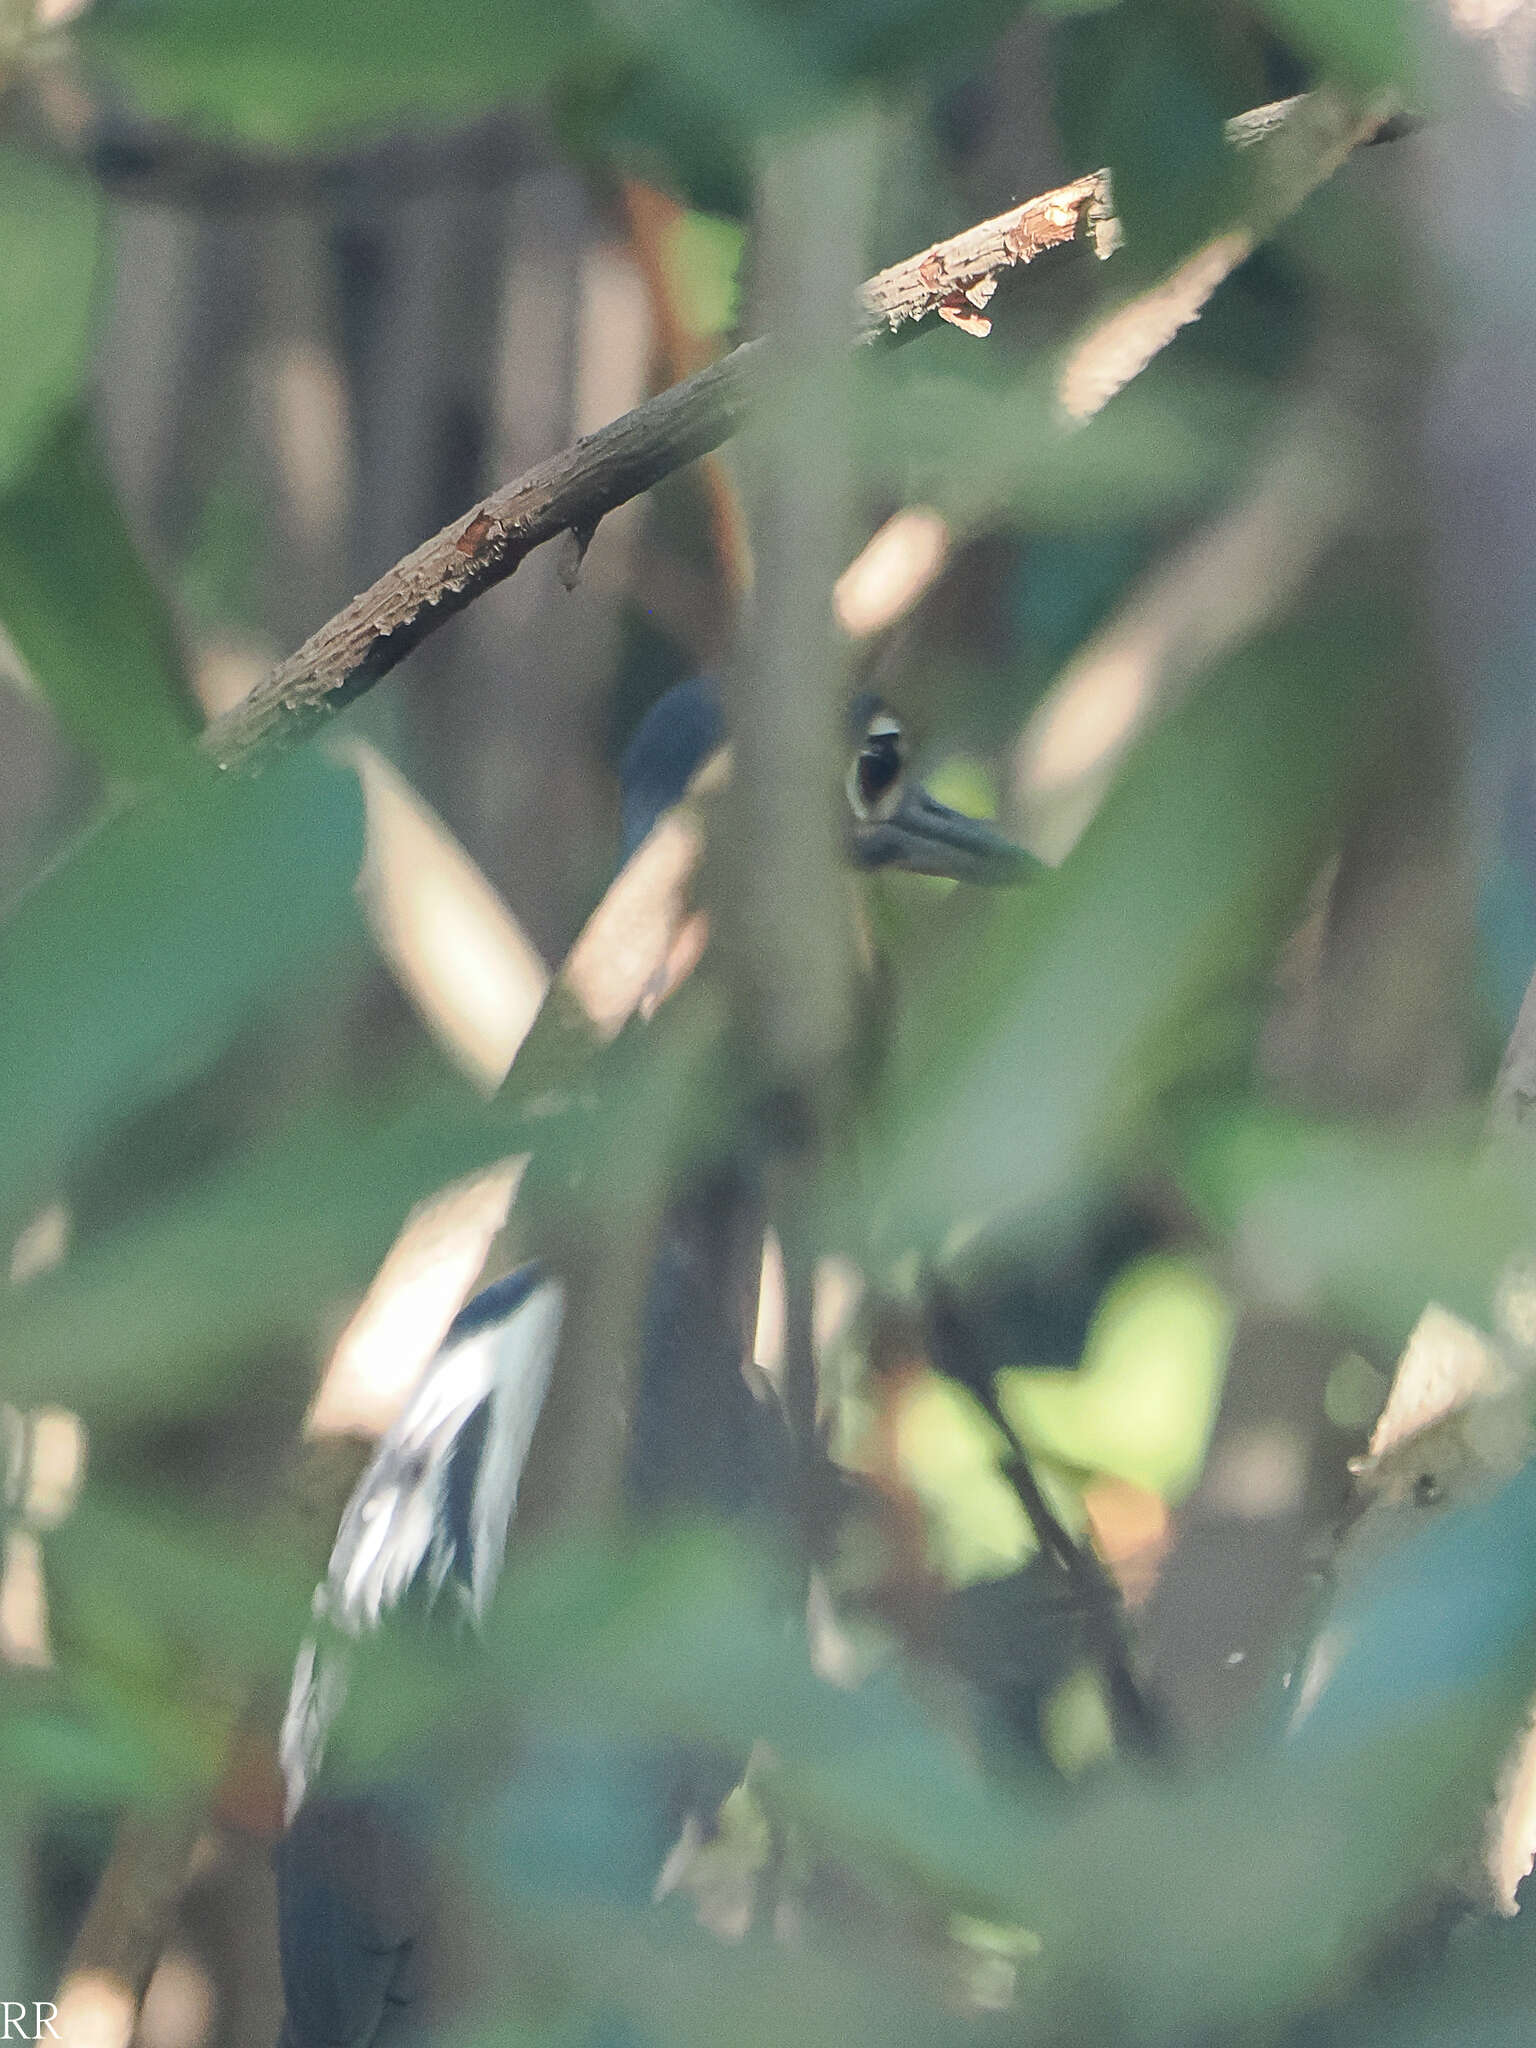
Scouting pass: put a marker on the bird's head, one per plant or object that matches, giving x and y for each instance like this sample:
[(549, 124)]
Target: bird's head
[(892, 820)]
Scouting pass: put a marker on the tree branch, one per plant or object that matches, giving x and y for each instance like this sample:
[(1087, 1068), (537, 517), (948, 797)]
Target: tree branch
[(577, 488)]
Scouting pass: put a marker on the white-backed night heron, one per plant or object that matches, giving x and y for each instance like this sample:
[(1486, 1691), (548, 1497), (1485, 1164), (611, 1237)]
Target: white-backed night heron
[(426, 1527)]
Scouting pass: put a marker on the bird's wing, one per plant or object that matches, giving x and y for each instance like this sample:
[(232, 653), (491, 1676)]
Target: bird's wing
[(432, 1510), (427, 1523)]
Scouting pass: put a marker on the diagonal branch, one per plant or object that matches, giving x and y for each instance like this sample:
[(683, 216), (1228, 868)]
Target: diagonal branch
[(569, 493), (577, 488)]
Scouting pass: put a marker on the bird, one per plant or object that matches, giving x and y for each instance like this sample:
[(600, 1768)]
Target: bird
[(425, 1531)]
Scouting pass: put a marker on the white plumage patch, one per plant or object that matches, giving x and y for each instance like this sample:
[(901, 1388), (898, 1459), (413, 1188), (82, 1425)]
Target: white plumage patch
[(434, 1507)]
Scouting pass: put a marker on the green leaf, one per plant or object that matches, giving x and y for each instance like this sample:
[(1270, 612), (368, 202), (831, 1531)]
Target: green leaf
[(1190, 249), (1144, 90), (158, 1315), (682, 1985), (151, 1581), (161, 1311), (950, 1457), (1376, 1798), (282, 73), (1143, 1401), (163, 1623), (1291, 1859), (49, 247), (1028, 1066), (1414, 1626), (84, 613), (981, 441), (1364, 1222), (59, 1752), (703, 255), (1369, 42), (131, 964)]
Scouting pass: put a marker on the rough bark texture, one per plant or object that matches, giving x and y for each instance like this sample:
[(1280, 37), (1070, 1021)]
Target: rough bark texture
[(573, 491), (577, 488)]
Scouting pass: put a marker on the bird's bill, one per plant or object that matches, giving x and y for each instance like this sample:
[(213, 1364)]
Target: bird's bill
[(927, 838)]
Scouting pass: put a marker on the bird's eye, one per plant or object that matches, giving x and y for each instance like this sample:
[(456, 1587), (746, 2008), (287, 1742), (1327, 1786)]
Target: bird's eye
[(874, 780)]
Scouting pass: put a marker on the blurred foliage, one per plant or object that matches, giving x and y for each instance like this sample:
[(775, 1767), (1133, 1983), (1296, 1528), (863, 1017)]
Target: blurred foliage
[(986, 442), (704, 256), (158, 1672), (1364, 1221), (160, 1313), (50, 224), (111, 672), (938, 1849), (131, 964), (1143, 1400), (1132, 970), (1378, 43), (691, 84), (285, 75)]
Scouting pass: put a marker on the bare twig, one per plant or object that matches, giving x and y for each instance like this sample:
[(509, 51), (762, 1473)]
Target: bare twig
[(576, 488), (952, 277), (581, 485)]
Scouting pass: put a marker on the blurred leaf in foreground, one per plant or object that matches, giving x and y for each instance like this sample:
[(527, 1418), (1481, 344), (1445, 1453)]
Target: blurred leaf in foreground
[(977, 439), (135, 960), (84, 613), (282, 74), (1176, 1904), (1029, 1066), (49, 249), (1288, 1866), (703, 256), (163, 1623), (161, 1311), (1143, 1401), (1372, 42), (1364, 1223)]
